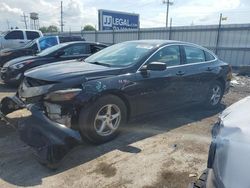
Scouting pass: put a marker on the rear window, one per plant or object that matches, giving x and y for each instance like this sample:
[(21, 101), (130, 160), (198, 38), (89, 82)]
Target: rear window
[(209, 57), (14, 35), (194, 55), (31, 35), (46, 42)]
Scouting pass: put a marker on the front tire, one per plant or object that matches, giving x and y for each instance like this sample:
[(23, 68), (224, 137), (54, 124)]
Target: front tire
[(101, 122), (215, 95)]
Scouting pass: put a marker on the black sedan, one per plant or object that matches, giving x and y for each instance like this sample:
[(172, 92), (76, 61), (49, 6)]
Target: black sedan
[(95, 98), (12, 71), (35, 46)]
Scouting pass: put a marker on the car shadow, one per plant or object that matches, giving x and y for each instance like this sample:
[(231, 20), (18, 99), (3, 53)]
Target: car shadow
[(18, 166)]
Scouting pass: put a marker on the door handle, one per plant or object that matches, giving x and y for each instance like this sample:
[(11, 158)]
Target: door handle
[(21, 42), (180, 73), (209, 69)]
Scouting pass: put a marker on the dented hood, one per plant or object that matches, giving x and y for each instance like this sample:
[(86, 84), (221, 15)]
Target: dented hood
[(68, 69), (45, 79)]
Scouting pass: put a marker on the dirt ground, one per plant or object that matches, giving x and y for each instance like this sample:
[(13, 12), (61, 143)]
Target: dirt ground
[(165, 150)]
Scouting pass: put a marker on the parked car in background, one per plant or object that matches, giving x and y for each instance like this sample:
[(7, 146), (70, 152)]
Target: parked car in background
[(228, 159), (35, 46), (95, 98), (18, 38), (12, 71)]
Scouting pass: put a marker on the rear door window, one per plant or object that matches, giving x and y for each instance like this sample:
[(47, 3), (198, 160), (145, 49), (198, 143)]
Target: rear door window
[(31, 35), (14, 35), (77, 49), (194, 55)]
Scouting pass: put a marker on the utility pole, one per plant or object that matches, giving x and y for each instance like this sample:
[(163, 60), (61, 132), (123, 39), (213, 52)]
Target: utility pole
[(168, 3), (218, 33), (170, 29), (25, 20), (61, 16)]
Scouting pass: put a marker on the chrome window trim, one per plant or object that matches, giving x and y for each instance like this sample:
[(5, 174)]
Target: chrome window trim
[(181, 65)]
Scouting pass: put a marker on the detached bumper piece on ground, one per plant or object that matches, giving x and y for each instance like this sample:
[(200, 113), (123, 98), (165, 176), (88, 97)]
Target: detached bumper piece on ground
[(50, 141)]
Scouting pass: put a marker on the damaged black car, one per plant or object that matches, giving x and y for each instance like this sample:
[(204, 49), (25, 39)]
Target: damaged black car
[(92, 100)]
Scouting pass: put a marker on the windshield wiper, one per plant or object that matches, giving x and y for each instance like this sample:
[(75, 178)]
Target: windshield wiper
[(99, 63)]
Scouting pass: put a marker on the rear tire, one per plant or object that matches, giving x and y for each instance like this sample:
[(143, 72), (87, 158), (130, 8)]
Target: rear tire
[(102, 120), (215, 95)]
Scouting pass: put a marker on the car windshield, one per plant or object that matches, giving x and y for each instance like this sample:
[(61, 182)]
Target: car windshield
[(51, 49), (121, 55)]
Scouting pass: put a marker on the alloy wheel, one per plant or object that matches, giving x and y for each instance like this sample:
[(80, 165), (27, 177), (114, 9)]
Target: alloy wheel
[(216, 95), (107, 120)]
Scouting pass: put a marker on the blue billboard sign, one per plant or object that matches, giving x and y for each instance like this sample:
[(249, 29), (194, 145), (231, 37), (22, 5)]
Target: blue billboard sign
[(114, 20)]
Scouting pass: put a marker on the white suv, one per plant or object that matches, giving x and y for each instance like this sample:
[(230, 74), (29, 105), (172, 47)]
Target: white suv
[(18, 38)]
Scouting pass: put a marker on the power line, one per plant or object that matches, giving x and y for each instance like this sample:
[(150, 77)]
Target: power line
[(24, 20)]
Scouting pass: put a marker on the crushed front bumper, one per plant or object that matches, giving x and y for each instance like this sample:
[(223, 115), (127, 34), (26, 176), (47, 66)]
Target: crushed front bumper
[(49, 140)]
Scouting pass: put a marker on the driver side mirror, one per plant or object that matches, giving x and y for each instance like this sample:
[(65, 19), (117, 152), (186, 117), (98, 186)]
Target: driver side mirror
[(59, 54), (156, 66)]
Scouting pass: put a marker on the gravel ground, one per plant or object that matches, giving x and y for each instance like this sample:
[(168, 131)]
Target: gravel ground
[(164, 150)]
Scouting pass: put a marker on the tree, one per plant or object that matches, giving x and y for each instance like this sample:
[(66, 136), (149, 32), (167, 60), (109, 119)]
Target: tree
[(50, 29), (43, 29), (88, 28)]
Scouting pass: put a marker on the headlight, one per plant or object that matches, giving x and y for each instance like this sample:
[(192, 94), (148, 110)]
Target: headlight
[(5, 53), (20, 65), (63, 95)]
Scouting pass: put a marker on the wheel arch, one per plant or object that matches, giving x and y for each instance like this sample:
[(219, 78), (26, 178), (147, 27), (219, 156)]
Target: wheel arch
[(114, 92), (222, 81)]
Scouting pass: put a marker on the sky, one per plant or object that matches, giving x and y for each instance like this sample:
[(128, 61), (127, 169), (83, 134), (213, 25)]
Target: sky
[(78, 13)]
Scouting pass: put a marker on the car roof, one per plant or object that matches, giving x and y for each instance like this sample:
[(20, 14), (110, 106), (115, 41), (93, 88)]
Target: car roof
[(25, 30), (84, 42), (158, 42)]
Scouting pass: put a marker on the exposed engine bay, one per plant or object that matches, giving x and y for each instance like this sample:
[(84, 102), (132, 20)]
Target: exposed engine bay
[(54, 112)]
